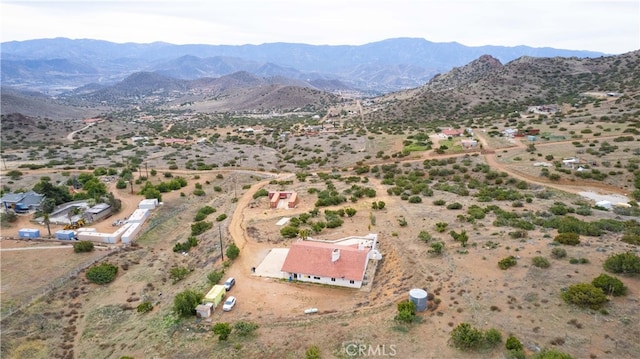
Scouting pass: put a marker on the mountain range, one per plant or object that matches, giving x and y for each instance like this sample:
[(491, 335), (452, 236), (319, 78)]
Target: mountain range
[(54, 66)]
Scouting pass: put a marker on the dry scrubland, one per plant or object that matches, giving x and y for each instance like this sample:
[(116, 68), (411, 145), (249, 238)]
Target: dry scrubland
[(84, 320)]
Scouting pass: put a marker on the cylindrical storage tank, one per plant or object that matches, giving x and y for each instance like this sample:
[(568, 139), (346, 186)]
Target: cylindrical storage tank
[(419, 298)]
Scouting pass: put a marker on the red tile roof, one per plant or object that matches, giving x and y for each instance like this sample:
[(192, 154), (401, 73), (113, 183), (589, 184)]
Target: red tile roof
[(452, 132), (314, 258)]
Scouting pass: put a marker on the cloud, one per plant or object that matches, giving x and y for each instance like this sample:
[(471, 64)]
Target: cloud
[(608, 26)]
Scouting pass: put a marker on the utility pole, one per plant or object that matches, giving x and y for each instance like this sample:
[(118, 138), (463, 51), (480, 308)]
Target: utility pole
[(146, 169), (221, 251)]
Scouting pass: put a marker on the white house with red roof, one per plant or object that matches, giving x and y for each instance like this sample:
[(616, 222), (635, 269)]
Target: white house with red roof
[(342, 263)]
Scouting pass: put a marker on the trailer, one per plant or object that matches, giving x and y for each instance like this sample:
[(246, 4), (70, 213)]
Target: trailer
[(65, 235), (29, 233)]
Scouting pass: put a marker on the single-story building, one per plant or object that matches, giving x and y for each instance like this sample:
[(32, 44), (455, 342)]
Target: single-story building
[(28, 201), (452, 132), (97, 212), (327, 263), (276, 197)]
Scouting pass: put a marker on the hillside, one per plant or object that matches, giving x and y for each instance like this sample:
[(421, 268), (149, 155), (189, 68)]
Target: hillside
[(485, 87)]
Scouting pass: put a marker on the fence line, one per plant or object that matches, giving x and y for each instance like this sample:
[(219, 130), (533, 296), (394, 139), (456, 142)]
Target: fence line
[(55, 284)]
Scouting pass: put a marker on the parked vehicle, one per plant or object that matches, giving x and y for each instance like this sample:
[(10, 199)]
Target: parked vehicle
[(229, 303), (229, 283)]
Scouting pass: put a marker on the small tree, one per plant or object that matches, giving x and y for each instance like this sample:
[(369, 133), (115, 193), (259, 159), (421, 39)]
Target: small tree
[(233, 251), (513, 343), (145, 307), (540, 262), (185, 303), (559, 252), (350, 212), (222, 330)]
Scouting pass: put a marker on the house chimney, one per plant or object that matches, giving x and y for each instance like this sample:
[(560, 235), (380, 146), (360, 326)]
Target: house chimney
[(335, 255)]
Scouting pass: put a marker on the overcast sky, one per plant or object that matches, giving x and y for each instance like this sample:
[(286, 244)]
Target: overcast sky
[(608, 26)]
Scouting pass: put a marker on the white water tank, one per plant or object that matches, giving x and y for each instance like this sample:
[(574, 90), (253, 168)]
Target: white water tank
[(419, 298)]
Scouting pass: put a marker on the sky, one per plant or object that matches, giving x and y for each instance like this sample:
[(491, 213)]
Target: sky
[(608, 26)]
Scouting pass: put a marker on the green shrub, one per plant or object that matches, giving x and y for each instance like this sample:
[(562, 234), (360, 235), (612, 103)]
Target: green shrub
[(260, 193), (289, 231), (102, 273), (245, 328), (83, 246), (559, 252), (221, 217), (145, 307), (313, 352), (610, 285), (439, 202), (540, 262), (233, 251), (200, 227), (570, 239), (585, 295), (508, 262), (222, 330), (215, 276), (454, 205), (406, 311), (627, 263), (466, 337), (178, 273), (551, 354), (185, 303), (513, 343), (492, 337)]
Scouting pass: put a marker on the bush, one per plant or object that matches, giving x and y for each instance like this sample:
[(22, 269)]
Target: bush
[(102, 273), (83, 246), (233, 251), (628, 263), (610, 285), (313, 352), (200, 227), (439, 202), (492, 337), (540, 262), (215, 276), (454, 205), (221, 217), (406, 311), (260, 193), (551, 354), (513, 343), (145, 307), (508, 262), (222, 330), (585, 295), (178, 273), (185, 303), (466, 337), (570, 239), (245, 328), (289, 231), (559, 253)]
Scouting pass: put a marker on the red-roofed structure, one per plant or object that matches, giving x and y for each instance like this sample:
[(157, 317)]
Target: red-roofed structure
[(276, 197), (327, 263), (452, 132)]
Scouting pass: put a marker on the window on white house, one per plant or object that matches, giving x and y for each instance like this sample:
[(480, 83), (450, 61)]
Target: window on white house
[(333, 279), (352, 281)]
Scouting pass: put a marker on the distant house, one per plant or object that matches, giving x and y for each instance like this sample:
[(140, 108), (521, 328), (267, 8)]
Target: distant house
[(22, 201), (91, 120), (509, 132), (467, 144), (329, 263), (452, 132), (571, 162), (170, 141)]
